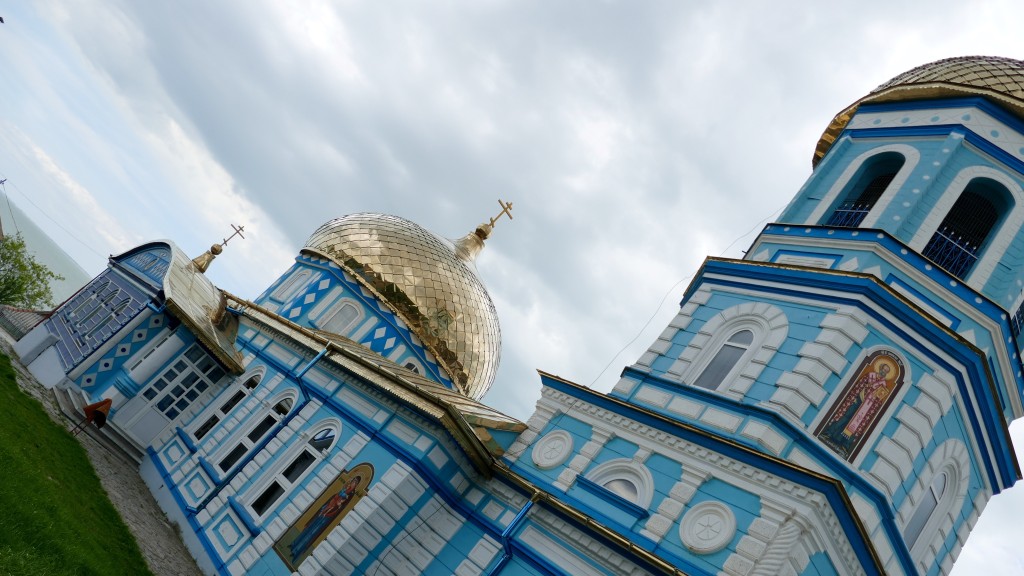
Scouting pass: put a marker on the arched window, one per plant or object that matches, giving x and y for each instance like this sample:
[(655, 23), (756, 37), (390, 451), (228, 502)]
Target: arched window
[(725, 360), (295, 470), (254, 434), (867, 188), (289, 287), (225, 407), (936, 502), (929, 503), (626, 479), (340, 318), (963, 233), (624, 488)]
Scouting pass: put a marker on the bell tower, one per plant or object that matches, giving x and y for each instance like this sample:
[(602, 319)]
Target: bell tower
[(842, 394)]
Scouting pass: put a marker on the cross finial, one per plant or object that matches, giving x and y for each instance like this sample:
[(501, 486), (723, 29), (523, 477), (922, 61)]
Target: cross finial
[(506, 208), (202, 262), (238, 232)]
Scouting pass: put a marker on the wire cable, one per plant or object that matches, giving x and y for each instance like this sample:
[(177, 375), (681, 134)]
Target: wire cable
[(672, 288), (48, 217)]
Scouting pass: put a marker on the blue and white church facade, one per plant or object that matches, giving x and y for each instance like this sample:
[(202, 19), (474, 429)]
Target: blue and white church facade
[(837, 402)]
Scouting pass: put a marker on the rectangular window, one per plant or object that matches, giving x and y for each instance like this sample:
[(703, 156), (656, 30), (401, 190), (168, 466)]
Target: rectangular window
[(185, 380), (232, 402), (206, 427), (232, 458), (298, 466), (261, 429), (267, 499)]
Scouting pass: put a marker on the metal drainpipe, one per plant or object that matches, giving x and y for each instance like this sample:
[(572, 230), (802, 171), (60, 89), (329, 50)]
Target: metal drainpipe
[(263, 443), (506, 535)]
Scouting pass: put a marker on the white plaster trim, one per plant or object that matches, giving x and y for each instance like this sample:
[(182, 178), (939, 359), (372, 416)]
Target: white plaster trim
[(950, 457), (553, 449), (708, 527)]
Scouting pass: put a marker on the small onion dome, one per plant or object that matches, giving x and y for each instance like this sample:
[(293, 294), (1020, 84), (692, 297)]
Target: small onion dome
[(431, 284), (1000, 80)]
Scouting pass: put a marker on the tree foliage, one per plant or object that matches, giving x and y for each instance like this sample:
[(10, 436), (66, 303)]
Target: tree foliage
[(23, 281)]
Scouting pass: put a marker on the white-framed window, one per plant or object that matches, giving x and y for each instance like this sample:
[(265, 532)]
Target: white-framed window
[(289, 287), (259, 426), (725, 359), (412, 365), (340, 317), (180, 384), (930, 500), (625, 478), (249, 383), (294, 467), (719, 357), (862, 192), (936, 502), (966, 229)]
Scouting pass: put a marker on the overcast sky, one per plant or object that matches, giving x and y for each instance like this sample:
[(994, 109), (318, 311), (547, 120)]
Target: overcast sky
[(634, 139)]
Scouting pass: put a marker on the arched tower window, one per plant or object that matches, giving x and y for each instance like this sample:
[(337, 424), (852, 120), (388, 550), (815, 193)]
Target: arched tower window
[(867, 188), (725, 360), (957, 243), (929, 503)]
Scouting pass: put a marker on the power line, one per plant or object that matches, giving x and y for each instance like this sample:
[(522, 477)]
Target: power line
[(44, 213), (672, 288), (14, 221)]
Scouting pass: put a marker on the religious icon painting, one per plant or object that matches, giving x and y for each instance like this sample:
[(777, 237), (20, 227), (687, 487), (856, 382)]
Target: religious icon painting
[(323, 514), (860, 405)]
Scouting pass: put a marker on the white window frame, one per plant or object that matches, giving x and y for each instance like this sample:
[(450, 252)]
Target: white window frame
[(301, 443), (625, 469), (830, 201), (770, 327), (216, 408), (292, 285), (335, 309), (952, 458), (241, 436)]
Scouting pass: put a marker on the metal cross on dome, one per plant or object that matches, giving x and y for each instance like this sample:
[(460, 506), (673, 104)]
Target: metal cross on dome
[(506, 208), (238, 232)]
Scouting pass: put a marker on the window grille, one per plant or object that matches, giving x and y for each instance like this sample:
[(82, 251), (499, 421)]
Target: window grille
[(960, 237)]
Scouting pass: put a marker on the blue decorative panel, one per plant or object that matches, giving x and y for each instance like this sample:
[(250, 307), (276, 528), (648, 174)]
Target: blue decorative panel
[(91, 317), (149, 264)]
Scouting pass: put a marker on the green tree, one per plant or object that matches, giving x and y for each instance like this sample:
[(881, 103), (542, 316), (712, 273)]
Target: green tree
[(23, 281)]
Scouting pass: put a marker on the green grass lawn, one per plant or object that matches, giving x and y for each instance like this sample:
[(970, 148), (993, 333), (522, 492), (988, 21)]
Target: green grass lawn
[(55, 517)]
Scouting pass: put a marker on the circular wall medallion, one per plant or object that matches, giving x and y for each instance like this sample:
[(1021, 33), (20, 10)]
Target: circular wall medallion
[(552, 449), (707, 527)]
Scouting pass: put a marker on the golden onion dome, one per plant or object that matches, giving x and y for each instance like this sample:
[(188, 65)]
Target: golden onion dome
[(1000, 80), (431, 284)]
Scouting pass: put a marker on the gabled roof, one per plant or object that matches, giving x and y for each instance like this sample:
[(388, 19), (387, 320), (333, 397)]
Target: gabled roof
[(470, 422)]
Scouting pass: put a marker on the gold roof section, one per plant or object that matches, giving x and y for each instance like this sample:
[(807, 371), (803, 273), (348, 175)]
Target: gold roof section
[(1000, 80), (431, 284)]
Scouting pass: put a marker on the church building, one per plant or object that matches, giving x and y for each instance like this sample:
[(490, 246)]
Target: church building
[(836, 402)]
